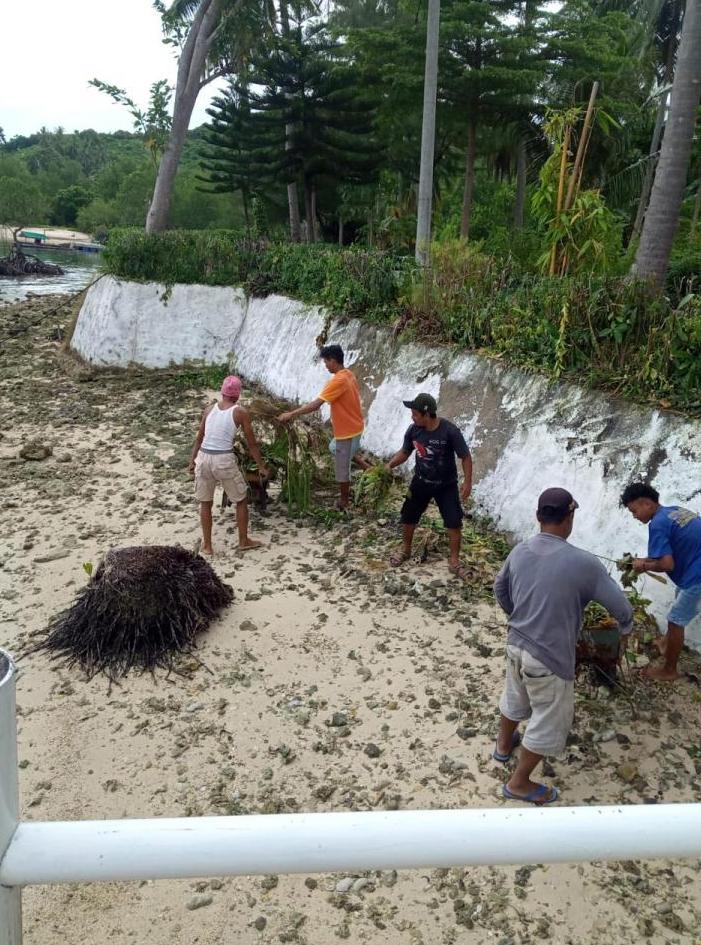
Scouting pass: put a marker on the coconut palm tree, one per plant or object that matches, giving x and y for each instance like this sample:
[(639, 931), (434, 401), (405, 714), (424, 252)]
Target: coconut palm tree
[(428, 136), (213, 36), (662, 217)]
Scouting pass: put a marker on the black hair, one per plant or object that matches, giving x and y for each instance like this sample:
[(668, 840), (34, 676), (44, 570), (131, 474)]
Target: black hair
[(639, 490), (550, 515), (332, 352)]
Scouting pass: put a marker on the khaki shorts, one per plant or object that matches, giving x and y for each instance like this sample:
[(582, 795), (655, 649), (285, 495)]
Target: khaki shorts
[(533, 692), (343, 452), (213, 469)]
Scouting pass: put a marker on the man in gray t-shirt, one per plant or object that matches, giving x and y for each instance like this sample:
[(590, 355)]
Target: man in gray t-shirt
[(543, 587)]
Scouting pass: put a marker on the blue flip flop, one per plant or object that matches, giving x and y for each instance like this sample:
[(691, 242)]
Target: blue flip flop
[(539, 796), (502, 759)]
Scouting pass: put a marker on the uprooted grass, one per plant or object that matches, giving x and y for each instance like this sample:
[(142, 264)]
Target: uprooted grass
[(295, 452)]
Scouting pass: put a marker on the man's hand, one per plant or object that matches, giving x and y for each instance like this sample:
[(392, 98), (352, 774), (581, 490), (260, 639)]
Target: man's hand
[(639, 564), (465, 491), (191, 467), (286, 417)]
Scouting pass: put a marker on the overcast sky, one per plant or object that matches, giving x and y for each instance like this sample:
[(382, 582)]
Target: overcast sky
[(50, 49)]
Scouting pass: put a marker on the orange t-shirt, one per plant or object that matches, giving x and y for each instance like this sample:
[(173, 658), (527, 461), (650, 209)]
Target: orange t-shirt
[(343, 394)]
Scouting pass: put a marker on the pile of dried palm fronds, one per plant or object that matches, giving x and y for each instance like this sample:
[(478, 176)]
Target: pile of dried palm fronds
[(297, 453), (143, 606)]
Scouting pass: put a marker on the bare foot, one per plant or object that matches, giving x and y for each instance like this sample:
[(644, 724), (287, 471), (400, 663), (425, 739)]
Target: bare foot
[(249, 544), (207, 550), (661, 673), (661, 644)]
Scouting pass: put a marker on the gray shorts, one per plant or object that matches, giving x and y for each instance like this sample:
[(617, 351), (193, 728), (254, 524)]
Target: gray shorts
[(533, 692), (344, 451)]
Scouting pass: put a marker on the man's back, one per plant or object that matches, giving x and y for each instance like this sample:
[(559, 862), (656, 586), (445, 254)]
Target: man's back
[(544, 586), (343, 395), (677, 532)]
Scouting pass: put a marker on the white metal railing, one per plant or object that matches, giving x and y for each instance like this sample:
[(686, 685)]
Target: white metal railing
[(170, 848)]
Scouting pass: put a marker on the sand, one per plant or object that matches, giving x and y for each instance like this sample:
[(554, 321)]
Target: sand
[(324, 653)]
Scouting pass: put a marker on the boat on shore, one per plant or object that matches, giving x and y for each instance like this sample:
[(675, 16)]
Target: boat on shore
[(35, 239)]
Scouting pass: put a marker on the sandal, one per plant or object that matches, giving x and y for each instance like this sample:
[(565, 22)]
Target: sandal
[(459, 571), (502, 759), (539, 796), (398, 558)]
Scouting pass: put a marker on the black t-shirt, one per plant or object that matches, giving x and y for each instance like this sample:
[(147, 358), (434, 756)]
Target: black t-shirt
[(436, 451)]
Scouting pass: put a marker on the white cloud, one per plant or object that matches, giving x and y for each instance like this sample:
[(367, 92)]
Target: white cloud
[(50, 49)]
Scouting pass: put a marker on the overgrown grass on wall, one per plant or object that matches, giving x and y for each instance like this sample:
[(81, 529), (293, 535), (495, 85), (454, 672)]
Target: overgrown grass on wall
[(604, 332), (351, 283)]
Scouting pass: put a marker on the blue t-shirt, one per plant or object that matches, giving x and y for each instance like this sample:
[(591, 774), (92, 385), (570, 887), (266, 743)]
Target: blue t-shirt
[(677, 532)]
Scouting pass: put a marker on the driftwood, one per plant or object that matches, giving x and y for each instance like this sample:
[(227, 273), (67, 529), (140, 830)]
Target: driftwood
[(21, 264)]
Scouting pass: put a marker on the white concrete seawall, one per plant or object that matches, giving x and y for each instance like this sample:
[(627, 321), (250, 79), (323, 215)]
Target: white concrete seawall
[(526, 433)]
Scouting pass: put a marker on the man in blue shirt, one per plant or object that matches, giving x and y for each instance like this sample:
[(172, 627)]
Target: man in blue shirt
[(674, 547)]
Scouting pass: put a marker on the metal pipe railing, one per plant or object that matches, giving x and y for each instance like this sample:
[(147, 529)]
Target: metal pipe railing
[(180, 848), (10, 898)]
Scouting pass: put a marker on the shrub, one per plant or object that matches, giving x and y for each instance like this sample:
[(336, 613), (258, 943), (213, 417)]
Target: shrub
[(348, 282)]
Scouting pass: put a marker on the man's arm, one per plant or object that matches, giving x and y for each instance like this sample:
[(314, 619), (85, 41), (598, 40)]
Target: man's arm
[(243, 419), (663, 564), (311, 407), (502, 590), (198, 439), (607, 593), (400, 457), (466, 487)]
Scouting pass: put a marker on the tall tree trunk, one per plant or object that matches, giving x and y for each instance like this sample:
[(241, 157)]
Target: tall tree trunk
[(246, 210), (308, 213), (428, 137), (340, 230), (521, 169), (469, 187), (697, 210), (292, 195), (656, 137), (316, 230), (191, 66), (662, 218)]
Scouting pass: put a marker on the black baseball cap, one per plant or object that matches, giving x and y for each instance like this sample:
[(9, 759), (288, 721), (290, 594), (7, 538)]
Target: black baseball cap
[(557, 500), (422, 403)]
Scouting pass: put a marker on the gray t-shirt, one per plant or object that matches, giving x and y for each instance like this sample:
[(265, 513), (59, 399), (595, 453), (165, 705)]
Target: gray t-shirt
[(544, 586)]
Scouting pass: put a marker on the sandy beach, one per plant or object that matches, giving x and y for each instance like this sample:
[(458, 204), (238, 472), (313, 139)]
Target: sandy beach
[(331, 683)]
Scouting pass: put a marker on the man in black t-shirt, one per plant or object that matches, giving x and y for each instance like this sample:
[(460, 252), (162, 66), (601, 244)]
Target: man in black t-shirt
[(437, 442)]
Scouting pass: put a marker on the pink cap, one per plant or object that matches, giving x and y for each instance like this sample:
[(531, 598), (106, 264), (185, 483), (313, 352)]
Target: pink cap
[(231, 387)]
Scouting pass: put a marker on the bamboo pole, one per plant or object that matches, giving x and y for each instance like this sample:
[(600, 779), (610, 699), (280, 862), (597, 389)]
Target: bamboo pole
[(560, 191), (582, 148)]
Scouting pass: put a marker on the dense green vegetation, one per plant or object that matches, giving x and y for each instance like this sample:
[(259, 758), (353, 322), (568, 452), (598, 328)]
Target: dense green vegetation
[(593, 328), (92, 182)]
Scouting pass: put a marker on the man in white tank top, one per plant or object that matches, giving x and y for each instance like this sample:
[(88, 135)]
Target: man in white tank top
[(213, 462)]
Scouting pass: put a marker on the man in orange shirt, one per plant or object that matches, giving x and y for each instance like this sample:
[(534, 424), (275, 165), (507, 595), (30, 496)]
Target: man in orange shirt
[(342, 394)]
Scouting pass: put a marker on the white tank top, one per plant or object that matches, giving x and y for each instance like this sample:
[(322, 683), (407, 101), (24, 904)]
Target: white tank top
[(219, 430)]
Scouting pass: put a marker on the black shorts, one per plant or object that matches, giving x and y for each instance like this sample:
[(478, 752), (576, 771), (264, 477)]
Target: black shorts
[(420, 494)]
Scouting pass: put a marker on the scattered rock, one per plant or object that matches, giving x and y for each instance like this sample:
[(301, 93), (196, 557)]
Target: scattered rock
[(345, 885), (35, 450), (199, 901)]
